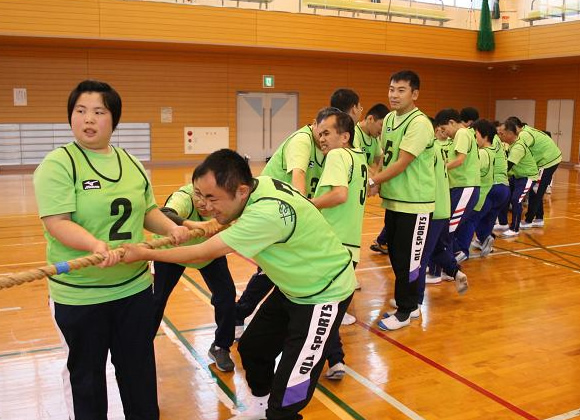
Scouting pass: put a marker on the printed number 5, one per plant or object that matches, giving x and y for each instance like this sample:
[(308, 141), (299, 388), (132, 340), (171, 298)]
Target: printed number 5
[(388, 153)]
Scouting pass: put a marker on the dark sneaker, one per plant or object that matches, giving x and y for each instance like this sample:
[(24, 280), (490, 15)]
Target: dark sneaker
[(377, 247), (221, 357)]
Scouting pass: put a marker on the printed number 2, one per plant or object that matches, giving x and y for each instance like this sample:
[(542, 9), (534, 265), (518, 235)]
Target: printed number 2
[(115, 234), (363, 193)]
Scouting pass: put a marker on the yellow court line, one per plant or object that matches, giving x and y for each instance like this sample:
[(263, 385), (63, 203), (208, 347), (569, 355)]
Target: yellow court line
[(331, 405)]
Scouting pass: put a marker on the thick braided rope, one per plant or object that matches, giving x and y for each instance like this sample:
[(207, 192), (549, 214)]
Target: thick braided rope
[(15, 279)]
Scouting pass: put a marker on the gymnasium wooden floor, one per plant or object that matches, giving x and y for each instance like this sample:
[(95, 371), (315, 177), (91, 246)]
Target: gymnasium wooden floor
[(508, 349)]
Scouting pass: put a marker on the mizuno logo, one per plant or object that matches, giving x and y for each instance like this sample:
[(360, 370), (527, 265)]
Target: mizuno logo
[(91, 184)]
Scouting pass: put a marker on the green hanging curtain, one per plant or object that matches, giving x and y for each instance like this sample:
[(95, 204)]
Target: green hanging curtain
[(495, 10), (485, 40)]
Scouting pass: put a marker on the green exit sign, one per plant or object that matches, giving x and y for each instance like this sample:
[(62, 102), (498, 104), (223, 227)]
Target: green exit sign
[(267, 81)]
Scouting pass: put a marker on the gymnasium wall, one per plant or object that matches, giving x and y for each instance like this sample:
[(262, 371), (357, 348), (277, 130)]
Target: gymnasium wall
[(181, 23), (541, 82), (201, 87), (195, 59)]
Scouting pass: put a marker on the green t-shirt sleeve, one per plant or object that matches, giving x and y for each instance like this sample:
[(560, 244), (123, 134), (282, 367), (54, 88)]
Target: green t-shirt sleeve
[(463, 141), (378, 151), (336, 170), (418, 136), (54, 185), (260, 225), (526, 138), (181, 202), (516, 153), (297, 153), (483, 162)]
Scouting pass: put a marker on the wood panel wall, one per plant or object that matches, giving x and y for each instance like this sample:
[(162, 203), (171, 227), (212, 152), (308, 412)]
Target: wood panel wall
[(537, 42), (183, 23), (151, 53), (201, 87)]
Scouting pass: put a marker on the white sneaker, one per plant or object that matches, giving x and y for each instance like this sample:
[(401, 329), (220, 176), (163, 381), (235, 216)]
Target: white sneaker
[(476, 244), (238, 332), (509, 234), (336, 372), (460, 257), (500, 228), (348, 319), (392, 323), (414, 315), (526, 225), (256, 409), (446, 277), (487, 246), (431, 279), (549, 189), (538, 223), (461, 284)]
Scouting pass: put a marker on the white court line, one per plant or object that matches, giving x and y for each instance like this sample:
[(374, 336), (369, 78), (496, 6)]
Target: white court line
[(202, 370), (383, 395), (563, 245), (566, 416), (372, 268), (14, 308)]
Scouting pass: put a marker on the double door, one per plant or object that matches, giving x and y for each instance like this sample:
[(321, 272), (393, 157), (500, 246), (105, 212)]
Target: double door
[(559, 122), (264, 120)]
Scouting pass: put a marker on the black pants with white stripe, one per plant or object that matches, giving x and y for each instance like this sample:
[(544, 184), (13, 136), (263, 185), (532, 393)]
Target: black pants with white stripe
[(122, 327), (406, 237), (300, 333)]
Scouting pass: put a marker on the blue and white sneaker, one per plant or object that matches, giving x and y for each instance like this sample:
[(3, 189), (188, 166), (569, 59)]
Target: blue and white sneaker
[(392, 323), (460, 257)]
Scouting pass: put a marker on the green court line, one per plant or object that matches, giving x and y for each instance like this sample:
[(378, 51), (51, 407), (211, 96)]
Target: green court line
[(575, 268), (339, 402), (197, 286), (27, 352), (549, 250), (206, 328), (203, 363)]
